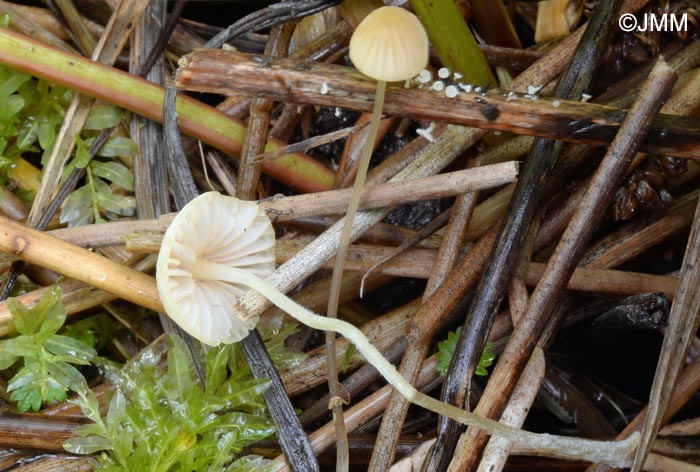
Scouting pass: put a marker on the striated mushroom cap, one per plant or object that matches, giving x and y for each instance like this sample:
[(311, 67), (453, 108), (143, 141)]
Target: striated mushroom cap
[(390, 44), (223, 230)]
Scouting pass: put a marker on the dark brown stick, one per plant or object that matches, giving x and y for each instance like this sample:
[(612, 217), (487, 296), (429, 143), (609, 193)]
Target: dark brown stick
[(302, 82), (565, 257), (682, 325), (512, 236)]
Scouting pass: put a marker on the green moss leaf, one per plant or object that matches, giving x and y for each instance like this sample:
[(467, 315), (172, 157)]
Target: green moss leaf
[(33, 386), (115, 172), (46, 317), (87, 444), (117, 146), (77, 211), (71, 350), (103, 116), (112, 203), (178, 379)]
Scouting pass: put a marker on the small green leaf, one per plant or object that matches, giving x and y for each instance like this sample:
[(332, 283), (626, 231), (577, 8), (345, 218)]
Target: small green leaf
[(23, 321), (115, 172), (117, 146), (77, 211), (67, 376), (103, 116), (485, 361), (446, 351), (27, 134), (14, 348), (82, 155), (69, 349), (12, 106), (89, 405), (113, 203), (87, 445), (217, 359), (178, 379), (32, 386), (47, 316), (27, 400), (47, 131), (10, 86), (117, 410)]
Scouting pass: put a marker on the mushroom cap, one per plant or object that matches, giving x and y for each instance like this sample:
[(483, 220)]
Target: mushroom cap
[(390, 44), (222, 230)]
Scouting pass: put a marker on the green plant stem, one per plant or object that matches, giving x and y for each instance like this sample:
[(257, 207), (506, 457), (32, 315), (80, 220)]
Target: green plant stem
[(451, 38), (146, 98)]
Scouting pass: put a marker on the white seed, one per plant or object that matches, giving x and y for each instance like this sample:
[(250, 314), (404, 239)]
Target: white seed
[(443, 72), (438, 85), (531, 96), (337, 112), (511, 96), (466, 87), (585, 97), (324, 88), (451, 91), (424, 76), (556, 103), (457, 76), (533, 89)]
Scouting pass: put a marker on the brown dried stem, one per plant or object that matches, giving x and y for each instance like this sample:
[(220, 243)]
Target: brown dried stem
[(259, 120), (685, 389), (395, 415), (684, 319), (361, 412), (48, 251), (561, 265), (293, 81)]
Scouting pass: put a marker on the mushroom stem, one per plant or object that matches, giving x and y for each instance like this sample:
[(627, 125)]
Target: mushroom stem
[(336, 279), (354, 202), (616, 453)]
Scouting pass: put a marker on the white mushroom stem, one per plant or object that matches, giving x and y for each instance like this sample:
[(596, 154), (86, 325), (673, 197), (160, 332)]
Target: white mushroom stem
[(616, 453)]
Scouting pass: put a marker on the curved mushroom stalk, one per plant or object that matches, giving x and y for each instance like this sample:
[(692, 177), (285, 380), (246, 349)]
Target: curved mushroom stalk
[(217, 247)]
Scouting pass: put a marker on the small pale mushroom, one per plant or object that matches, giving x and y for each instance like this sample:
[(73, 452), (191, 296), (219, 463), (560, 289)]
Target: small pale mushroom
[(212, 240), (389, 45), (218, 247)]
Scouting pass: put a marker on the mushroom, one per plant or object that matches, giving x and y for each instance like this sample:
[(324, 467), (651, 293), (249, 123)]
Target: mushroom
[(390, 44), (209, 256), (217, 247)]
